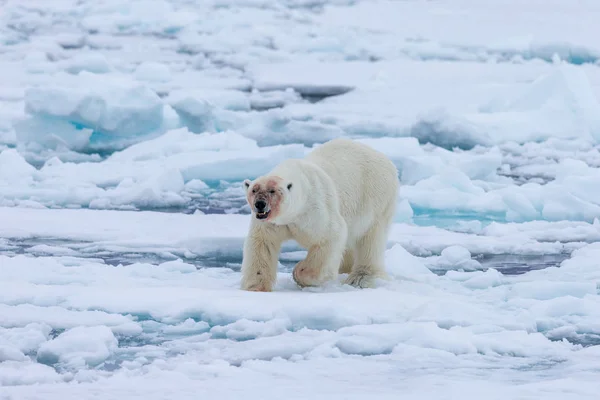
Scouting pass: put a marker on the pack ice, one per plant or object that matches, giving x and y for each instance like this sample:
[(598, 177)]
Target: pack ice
[(126, 129)]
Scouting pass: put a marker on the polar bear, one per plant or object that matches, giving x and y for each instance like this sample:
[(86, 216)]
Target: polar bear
[(338, 203)]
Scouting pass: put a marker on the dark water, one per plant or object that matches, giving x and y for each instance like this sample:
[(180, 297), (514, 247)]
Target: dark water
[(507, 264), (511, 264)]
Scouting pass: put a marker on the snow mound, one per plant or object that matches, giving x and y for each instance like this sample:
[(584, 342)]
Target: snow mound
[(79, 347), (90, 61), (455, 258)]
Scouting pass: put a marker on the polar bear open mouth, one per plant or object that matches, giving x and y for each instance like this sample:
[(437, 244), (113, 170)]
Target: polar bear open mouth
[(263, 215)]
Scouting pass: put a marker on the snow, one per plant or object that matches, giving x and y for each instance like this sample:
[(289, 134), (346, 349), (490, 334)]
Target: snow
[(197, 323), (127, 128)]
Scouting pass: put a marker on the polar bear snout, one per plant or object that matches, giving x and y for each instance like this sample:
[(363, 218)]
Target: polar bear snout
[(262, 209), (262, 203)]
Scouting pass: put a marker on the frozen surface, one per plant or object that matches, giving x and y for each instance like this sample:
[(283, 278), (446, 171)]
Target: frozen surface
[(175, 308), (127, 127)]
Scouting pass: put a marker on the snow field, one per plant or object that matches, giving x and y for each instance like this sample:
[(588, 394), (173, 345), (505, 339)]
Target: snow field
[(60, 325)]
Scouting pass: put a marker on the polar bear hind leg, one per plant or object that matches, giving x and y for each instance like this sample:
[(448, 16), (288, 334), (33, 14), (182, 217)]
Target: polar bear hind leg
[(347, 261), (369, 263)]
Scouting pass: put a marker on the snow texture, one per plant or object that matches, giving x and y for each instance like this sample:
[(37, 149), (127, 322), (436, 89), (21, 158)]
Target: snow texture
[(127, 127)]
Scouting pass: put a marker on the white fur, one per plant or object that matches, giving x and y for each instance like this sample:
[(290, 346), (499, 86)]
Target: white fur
[(340, 207)]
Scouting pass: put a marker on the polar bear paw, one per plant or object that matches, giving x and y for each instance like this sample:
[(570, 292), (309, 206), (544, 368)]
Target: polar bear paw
[(365, 277), (257, 288), (360, 279), (306, 275), (257, 285)]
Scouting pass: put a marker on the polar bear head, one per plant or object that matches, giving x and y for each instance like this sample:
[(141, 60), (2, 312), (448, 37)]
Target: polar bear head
[(269, 197)]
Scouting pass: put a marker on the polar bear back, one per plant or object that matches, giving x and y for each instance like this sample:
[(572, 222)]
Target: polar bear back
[(365, 179)]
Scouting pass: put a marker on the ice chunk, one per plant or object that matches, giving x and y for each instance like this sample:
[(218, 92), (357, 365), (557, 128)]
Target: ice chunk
[(458, 256), (112, 109), (302, 79), (14, 168), (182, 141), (8, 353), (383, 339), (275, 127), (91, 62), (40, 133), (187, 327), (162, 188), (404, 211), (196, 113), (416, 163), (453, 189), (305, 132), (447, 131), (178, 266), (520, 207), (484, 280), (153, 71), (51, 250), (403, 265), (79, 346), (16, 373), (453, 257), (561, 103), (233, 100), (196, 186), (244, 329), (26, 339), (272, 99), (246, 165), (70, 40)]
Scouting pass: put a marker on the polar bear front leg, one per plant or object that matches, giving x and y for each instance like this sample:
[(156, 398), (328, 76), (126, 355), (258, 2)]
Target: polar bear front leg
[(323, 260), (259, 265), (320, 265)]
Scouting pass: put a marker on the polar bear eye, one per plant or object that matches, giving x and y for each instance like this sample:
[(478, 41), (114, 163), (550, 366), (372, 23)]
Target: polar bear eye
[(272, 191), (289, 186)]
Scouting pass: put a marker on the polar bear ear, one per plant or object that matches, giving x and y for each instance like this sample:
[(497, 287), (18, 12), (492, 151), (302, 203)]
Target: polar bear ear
[(289, 186), (247, 183)]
